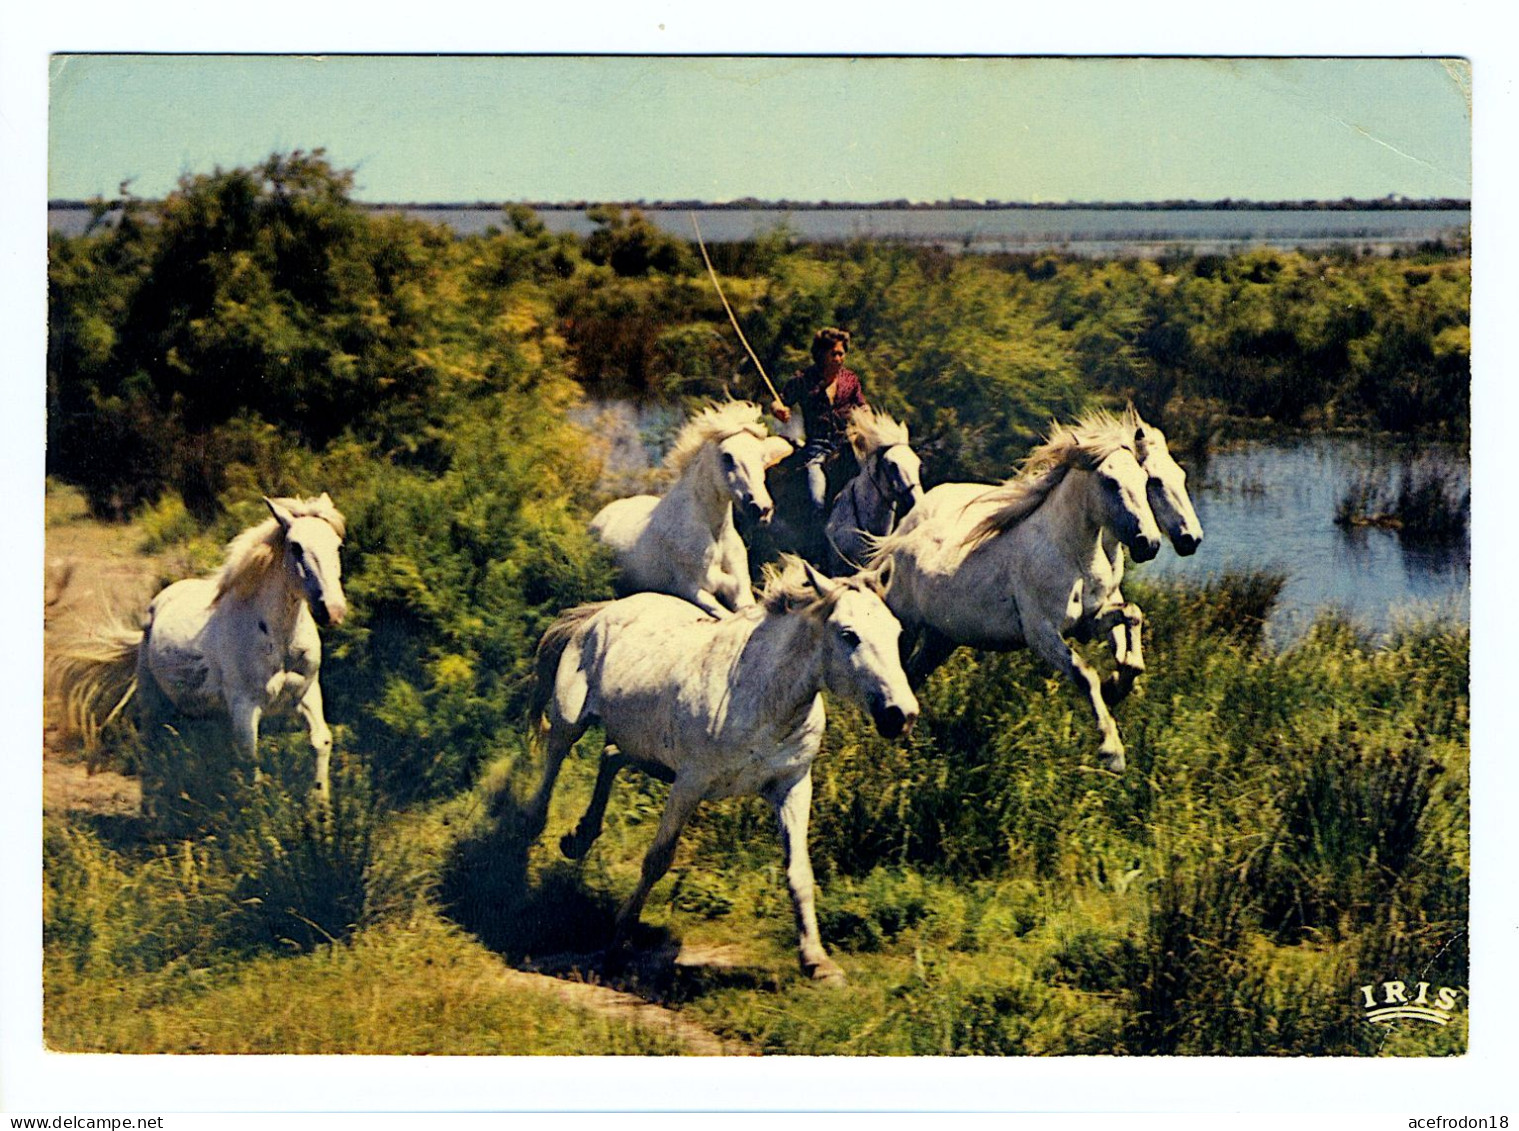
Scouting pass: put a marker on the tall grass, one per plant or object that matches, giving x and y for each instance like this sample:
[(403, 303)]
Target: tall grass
[(1290, 821), (1292, 825)]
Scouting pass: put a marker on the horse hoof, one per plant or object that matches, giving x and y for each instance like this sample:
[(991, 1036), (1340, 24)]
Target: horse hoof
[(828, 972), (1112, 761)]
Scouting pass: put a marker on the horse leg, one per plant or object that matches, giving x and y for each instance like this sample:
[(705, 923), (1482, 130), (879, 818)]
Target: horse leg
[(708, 604), (932, 649), (793, 805), (656, 862), (1128, 650), (245, 714), (561, 738), (736, 587), (575, 845), (310, 708), (1050, 646)]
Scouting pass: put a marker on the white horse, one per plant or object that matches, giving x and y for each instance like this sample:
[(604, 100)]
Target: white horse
[(718, 708), (242, 643), (685, 544), (884, 485), (1166, 491), (887, 487), (1023, 564)]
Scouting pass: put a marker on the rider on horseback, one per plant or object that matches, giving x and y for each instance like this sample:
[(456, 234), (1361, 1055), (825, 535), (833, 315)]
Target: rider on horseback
[(827, 393)]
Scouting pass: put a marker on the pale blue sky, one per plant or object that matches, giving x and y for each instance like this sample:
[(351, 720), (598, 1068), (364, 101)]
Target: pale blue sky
[(557, 128)]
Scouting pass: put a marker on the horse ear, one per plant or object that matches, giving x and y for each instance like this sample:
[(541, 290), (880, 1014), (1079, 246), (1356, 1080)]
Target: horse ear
[(775, 449), (820, 584), (281, 515)]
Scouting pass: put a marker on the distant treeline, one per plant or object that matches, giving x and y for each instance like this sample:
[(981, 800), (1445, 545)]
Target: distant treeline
[(751, 204), (956, 204)]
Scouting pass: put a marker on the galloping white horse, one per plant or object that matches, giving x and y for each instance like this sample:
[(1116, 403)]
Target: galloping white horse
[(685, 544), (887, 487), (1166, 491), (1023, 564), (718, 708), (241, 643)]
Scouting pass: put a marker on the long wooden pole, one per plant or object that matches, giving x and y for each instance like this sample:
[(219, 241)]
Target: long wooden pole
[(731, 318)]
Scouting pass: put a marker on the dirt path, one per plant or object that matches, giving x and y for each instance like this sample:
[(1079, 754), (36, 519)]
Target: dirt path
[(631, 1009), (95, 567)]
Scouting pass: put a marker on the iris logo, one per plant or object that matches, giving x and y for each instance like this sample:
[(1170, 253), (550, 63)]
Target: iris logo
[(1393, 1001)]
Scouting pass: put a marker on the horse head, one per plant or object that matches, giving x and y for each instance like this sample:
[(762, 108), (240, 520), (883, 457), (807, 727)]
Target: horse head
[(1166, 490), (860, 642), (312, 560), (896, 472), (882, 449), (1124, 490), (742, 459)]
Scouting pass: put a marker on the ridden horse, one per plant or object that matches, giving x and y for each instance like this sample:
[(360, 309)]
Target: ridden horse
[(718, 708), (242, 643), (874, 482), (685, 543), (887, 487), (1023, 564)]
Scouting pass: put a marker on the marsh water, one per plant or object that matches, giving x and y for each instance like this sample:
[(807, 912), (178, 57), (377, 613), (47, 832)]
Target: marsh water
[(1081, 231), (1076, 231), (1271, 505)]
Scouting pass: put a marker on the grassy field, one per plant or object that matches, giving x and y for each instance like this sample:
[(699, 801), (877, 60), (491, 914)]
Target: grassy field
[(1292, 826)]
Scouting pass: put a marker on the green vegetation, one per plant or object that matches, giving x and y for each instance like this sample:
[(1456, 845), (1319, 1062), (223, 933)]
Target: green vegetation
[(1292, 824)]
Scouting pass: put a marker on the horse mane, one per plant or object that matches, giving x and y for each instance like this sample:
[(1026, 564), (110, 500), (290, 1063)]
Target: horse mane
[(869, 430), (787, 589), (1081, 446), (714, 424), (257, 550)]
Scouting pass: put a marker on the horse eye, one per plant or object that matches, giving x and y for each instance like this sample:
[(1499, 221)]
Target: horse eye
[(728, 461), (296, 548), (849, 636)]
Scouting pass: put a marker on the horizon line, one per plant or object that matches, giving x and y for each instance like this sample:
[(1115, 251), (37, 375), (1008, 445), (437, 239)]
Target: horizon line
[(1389, 202)]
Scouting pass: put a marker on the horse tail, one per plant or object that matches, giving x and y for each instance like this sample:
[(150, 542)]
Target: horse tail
[(556, 638), (95, 676)]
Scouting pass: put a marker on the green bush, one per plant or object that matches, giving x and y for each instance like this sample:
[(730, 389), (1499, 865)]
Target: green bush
[(451, 580)]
